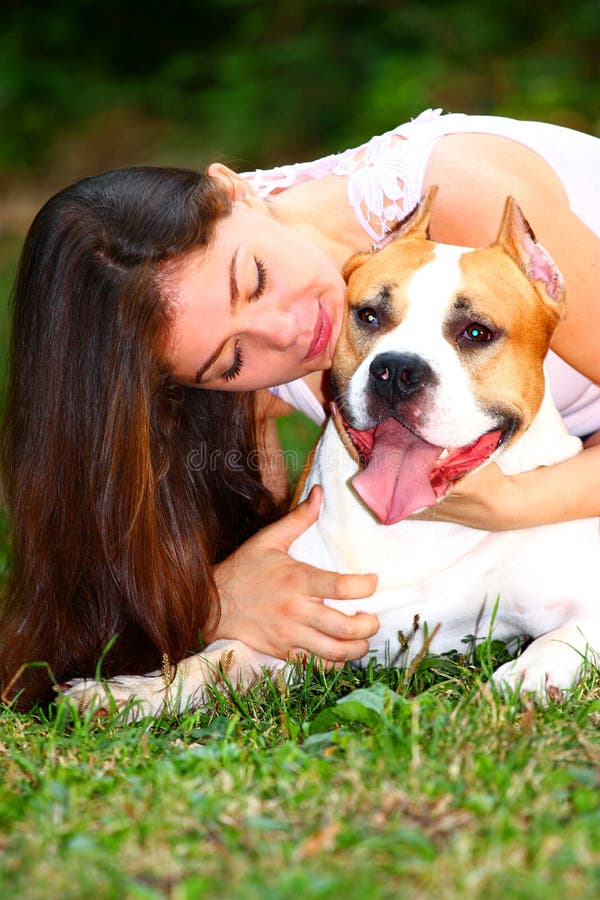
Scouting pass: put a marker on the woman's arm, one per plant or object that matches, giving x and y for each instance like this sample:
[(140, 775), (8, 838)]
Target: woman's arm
[(268, 409)]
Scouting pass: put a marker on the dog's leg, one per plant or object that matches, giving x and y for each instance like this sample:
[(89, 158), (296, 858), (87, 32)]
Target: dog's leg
[(553, 663), (184, 688)]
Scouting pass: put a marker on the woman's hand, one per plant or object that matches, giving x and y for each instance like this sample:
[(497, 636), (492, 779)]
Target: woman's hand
[(490, 500), (487, 499), (275, 603)]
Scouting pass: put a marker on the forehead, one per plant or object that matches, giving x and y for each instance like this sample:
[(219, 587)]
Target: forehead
[(201, 262), (203, 279), (239, 226), (428, 292), (408, 282)]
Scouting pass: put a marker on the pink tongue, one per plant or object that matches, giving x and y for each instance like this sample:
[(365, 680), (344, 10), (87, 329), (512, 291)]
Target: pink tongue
[(395, 481)]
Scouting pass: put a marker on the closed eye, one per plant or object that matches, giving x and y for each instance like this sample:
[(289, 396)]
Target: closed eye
[(234, 370), (261, 284)]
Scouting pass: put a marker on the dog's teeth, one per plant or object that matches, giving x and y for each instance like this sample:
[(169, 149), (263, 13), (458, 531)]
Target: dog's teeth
[(443, 454)]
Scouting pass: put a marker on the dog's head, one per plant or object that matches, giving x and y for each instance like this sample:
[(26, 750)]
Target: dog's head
[(440, 360)]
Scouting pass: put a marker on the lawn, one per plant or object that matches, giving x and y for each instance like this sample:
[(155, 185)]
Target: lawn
[(348, 784)]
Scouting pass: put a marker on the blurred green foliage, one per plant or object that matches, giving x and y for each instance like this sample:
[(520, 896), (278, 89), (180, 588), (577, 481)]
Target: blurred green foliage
[(259, 83)]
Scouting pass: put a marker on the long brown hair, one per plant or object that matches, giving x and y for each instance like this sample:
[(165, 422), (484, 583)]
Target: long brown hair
[(120, 493)]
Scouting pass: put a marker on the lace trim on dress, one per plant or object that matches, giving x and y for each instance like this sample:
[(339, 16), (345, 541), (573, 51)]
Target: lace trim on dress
[(384, 176)]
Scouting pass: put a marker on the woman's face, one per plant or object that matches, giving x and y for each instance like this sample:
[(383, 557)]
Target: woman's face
[(261, 306)]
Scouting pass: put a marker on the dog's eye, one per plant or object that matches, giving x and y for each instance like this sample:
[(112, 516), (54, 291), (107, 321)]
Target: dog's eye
[(368, 315), (477, 333)]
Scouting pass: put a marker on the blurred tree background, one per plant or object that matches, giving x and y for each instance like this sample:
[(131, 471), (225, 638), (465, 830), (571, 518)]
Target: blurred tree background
[(86, 86)]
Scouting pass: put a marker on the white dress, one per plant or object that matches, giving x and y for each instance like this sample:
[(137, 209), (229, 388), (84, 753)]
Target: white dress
[(385, 181)]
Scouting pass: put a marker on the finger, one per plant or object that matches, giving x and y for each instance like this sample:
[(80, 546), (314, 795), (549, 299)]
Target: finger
[(282, 533), (324, 647), (337, 585), (336, 624)]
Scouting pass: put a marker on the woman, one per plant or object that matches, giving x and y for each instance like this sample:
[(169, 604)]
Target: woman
[(139, 287)]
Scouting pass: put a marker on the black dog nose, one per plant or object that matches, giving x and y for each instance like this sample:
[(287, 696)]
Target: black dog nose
[(396, 376)]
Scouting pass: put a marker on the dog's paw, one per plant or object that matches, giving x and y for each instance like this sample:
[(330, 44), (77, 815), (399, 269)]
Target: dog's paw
[(133, 696), (540, 678)]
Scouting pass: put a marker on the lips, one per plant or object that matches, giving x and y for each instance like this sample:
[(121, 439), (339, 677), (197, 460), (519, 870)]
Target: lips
[(321, 335)]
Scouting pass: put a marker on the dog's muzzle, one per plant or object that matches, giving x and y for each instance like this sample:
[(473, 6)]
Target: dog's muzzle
[(397, 376)]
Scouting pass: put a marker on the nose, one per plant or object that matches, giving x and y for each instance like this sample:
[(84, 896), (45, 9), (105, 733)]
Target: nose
[(276, 329), (397, 376)]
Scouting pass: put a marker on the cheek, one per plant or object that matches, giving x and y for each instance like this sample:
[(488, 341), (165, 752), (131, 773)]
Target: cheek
[(513, 378)]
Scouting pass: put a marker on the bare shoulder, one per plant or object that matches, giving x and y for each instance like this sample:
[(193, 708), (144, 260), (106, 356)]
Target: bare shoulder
[(475, 174)]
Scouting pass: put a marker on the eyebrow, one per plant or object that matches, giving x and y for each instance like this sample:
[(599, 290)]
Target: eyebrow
[(234, 291), (234, 296)]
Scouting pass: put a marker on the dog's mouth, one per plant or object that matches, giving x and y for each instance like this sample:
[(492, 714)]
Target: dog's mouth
[(403, 473)]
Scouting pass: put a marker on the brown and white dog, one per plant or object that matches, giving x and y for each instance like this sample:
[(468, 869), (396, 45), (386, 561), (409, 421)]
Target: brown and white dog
[(439, 370)]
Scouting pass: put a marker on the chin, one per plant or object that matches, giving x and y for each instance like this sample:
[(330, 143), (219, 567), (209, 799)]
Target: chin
[(323, 362)]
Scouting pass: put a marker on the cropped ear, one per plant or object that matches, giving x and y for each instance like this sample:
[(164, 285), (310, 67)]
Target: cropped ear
[(415, 224), (517, 239), (236, 187)]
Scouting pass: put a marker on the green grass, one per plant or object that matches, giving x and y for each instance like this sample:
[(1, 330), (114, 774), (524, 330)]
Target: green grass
[(343, 785)]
